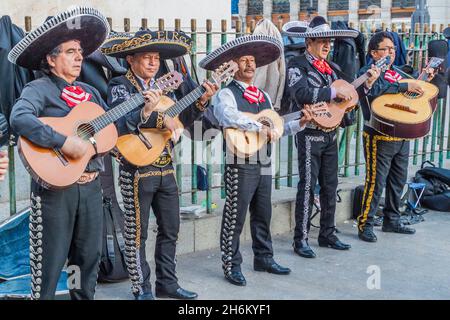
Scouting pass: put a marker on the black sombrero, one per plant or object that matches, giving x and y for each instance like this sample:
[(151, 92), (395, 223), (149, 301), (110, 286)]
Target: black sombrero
[(319, 28), (265, 49), (169, 44), (446, 33), (85, 24)]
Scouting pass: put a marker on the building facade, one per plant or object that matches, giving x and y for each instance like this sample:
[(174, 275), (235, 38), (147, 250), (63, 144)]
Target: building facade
[(368, 12)]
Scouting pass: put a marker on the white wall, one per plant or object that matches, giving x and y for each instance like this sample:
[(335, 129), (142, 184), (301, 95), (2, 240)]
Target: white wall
[(119, 9), (439, 11)]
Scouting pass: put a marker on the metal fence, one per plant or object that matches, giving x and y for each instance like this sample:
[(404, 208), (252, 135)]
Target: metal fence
[(434, 147)]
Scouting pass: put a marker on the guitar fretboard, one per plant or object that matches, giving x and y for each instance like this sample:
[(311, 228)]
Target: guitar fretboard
[(179, 106), (115, 113)]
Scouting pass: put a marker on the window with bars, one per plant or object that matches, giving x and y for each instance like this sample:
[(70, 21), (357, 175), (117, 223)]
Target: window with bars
[(403, 3), (255, 7), (304, 4), (338, 5), (364, 4), (280, 6)]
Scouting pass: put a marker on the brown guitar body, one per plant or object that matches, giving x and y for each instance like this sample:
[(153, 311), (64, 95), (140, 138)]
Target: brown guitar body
[(399, 116), (54, 172), (135, 151), (246, 143), (332, 119)]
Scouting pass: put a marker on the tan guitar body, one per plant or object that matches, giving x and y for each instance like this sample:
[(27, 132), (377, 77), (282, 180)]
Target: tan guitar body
[(53, 172), (332, 119), (247, 143), (408, 124), (135, 151)]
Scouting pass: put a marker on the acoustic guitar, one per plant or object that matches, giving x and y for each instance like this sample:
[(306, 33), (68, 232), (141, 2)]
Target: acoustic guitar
[(54, 170), (245, 144), (328, 121), (407, 115), (144, 148)]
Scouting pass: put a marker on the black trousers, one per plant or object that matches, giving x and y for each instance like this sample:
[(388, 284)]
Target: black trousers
[(65, 224), (247, 185), (386, 166), (141, 189), (317, 161)]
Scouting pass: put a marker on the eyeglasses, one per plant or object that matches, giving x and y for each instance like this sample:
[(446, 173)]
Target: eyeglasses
[(394, 48)]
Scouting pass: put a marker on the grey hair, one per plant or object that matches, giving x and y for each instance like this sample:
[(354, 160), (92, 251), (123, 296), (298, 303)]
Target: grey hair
[(45, 67)]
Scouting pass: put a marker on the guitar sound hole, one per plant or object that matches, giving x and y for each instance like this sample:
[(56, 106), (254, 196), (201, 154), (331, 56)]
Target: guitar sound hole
[(266, 122), (412, 95), (85, 131)]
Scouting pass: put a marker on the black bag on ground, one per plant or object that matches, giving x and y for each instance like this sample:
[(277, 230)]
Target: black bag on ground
[(436, 195), (357, 201), (112, 263)]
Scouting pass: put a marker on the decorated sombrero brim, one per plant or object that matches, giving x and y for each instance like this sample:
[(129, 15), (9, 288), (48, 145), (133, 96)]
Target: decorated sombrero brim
[(265, 49), (169, 44), (319, 28), (85, 24)]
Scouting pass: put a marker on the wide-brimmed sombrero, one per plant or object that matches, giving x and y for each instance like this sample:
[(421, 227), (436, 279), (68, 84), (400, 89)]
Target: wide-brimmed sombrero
[(446, 33), (265, 49), (319, 28), (169, 44), (85, 24)]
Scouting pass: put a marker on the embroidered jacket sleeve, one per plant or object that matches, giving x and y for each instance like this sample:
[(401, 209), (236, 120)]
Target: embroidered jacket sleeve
[(118, 92), (24, 117), (300, 89), (228, 115)]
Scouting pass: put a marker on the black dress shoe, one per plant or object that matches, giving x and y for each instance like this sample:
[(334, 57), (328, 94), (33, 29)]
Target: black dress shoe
[(180, 293), (367, 235), (236, 278), (304, 250), (145, 296), (271, 267), (398, 228), (334, 243)]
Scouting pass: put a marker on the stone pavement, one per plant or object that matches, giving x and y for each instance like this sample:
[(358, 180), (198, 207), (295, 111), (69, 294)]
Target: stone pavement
[(410, 267)]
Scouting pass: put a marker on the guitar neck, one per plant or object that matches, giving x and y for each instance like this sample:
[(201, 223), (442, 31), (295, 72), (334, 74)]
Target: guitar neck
[(179, 106), (117, 112), (359, 81)]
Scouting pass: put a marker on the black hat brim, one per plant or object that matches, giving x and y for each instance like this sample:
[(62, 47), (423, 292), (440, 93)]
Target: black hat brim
[(86, 25), (265, 49)]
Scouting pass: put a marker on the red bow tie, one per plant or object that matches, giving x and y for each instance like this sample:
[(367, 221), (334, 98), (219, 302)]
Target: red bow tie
[(322, 66), (253, 95), (392, 76), (73, 95)]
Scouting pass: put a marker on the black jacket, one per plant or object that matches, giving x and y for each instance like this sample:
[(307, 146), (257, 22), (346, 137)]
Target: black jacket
[(306, 84)]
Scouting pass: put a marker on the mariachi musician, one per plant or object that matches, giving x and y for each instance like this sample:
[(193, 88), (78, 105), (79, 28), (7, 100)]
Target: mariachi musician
[(309, 81), (64, 224), (153, 186), (248, 182), (386, 157)]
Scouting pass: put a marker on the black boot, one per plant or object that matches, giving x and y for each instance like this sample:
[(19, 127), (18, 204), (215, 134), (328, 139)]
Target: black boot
[(145, 296), (180, 293), (236, 278), (367, 235), (334, 243), (398, 228), (269, 265), (303, 249)]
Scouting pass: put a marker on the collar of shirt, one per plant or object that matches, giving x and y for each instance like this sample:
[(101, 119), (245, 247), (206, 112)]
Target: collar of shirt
[(60, 82), (144, 86), (243, 84)]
